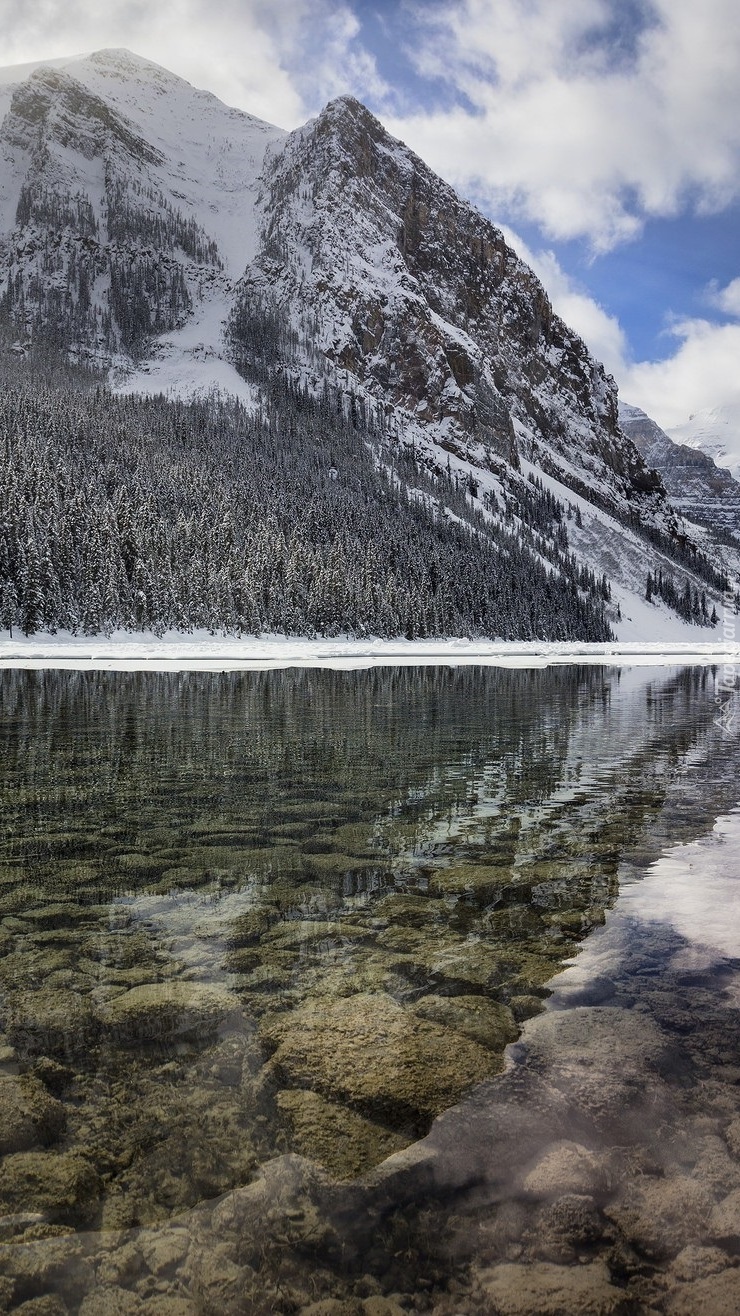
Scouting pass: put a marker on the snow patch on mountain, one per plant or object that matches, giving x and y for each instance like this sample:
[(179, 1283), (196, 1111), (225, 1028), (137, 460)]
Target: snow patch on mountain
[(190, 362), (212, 154), (715, 431), (384, 284)]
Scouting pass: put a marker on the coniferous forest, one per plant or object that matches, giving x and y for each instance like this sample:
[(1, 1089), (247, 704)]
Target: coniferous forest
[(299, 518)]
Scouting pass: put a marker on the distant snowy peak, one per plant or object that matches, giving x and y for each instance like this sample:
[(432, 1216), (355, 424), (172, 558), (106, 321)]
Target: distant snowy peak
[(715, 431), (703, 490)]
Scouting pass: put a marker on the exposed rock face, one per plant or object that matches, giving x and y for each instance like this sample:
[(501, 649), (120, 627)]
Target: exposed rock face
[(361, 266), (702, 490), (384, 272), (190, 247)]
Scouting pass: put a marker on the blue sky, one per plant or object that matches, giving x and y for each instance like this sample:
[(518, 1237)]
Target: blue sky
[(603, 135)]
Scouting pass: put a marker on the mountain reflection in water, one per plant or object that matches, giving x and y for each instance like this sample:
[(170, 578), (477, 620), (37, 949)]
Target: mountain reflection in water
[(265, 940)]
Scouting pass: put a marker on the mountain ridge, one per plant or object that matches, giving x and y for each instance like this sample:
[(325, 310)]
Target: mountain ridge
[(186, 246), (714, 431), (707, 493)]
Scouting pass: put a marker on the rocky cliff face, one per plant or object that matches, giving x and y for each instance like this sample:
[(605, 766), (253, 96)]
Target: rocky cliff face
[(703, 491), (153, 231), (414, 297), (375, 271)]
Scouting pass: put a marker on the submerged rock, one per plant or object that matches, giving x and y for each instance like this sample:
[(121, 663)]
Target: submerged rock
[(715, 1295), (724, 1224), (29, 1116), (49, 1305), (565, 1227), (340, 1140), (565, 1167), (52, 1022), (63, 1186), (732, 1137), (168, 1009), (716, 1167), (369, 1052), (486, 1022), (662, 1216), (603, 1059), (544, 1289), (695, 1262)]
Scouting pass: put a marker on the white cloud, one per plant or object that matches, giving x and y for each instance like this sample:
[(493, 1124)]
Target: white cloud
[(726, 299), (235, 48), (336, 62), (280, 61), (581, 122), (702, 374)]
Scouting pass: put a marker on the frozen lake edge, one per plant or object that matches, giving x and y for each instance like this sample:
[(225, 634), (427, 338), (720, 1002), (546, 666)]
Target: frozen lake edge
[(200, 651)]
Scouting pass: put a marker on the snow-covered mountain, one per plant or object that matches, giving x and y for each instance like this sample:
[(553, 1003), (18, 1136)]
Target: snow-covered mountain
[(704, 490), (184, 246), (716, 432), (127, 210)]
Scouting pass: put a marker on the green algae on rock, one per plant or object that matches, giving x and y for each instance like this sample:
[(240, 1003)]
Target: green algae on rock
[(166, 1010), (379, 1058), (337, 1138)]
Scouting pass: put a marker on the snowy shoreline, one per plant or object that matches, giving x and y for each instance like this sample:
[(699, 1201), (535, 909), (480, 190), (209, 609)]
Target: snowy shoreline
[(180, 651)]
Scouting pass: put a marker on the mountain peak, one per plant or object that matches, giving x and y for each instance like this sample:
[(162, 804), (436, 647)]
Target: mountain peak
[(127, 63), (148, 227), (347, 105), (350, 120)]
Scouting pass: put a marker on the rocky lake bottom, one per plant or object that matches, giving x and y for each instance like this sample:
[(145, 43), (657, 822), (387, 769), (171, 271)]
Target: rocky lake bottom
[(361, 993)]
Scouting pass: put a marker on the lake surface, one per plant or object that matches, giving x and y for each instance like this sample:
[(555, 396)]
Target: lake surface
[(402, 989)]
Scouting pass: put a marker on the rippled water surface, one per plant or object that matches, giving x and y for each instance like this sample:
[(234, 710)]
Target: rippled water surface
[(258, 931)]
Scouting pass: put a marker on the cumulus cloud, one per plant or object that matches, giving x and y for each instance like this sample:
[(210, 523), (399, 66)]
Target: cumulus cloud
[(331, 60), (235, 48), (281, 61), (701, 375), (585, 116), (726, 299)]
